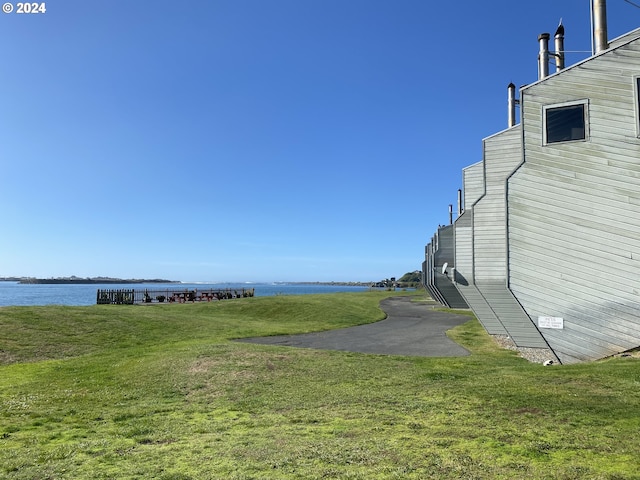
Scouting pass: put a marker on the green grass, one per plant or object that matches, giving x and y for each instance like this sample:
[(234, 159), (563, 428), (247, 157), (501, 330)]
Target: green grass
[(163, 392)]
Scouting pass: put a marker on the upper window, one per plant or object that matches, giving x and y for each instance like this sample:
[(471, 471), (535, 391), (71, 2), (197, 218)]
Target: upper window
[(565, 123)]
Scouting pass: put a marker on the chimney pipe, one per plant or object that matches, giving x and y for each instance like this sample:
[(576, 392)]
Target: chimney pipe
[(559, 47), (450, 214), (512, 102), (543, 56), (599, 8)]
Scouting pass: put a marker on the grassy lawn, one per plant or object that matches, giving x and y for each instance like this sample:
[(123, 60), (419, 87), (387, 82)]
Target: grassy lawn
[(161, 391)]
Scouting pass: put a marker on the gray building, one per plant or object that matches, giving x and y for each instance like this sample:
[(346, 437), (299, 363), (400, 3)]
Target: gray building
[(547, 248), (438, 269), (481, 243), (574, 205)]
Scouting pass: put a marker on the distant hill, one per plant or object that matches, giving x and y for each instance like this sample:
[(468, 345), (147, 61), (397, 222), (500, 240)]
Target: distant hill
[(94, 280), (411, 278)]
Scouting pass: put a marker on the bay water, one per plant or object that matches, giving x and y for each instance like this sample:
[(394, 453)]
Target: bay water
[(17, 294)]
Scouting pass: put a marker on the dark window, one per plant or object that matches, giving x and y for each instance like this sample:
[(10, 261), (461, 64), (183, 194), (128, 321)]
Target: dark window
[(638, 102), (565, 123)]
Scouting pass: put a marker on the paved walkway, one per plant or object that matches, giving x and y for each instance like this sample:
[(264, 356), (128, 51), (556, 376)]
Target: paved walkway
[(411, 328)]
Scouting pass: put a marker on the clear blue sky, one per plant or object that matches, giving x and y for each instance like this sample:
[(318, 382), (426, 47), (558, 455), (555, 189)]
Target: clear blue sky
[(254, 140)]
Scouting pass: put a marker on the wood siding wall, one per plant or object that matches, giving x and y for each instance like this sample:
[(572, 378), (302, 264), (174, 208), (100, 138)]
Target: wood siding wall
[(502, 154), (473, 189), (574, 211), (464, 248), (473, 183), (429, 272), (444, 253)]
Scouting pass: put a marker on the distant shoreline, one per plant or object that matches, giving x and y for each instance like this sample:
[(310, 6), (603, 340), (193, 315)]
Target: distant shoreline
[(85, 281), (342, 284), (134, 281)]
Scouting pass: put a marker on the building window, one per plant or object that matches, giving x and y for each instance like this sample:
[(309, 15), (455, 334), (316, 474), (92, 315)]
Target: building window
[(565, 123)]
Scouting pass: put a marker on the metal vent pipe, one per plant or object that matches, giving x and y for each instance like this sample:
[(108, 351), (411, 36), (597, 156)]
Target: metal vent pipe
[(600, 34), (512, 102), (543, 56), (559, 47), (460, 204)]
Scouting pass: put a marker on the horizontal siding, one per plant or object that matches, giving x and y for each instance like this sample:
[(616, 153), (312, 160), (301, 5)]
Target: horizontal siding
[(464, 248), (574, 212), (430, 273), (449, 292), (444, 253), (514, 319), (482, 310), (571, 302), (625, 38), (473, 188), (473, 183), (502, 154), (493, 304), (441, 286), (559, 254)]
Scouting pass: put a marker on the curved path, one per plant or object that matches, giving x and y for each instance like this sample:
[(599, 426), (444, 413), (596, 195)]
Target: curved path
[(411, 328)]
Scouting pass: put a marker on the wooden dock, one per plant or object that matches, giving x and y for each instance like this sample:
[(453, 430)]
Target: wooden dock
[(169, 295)]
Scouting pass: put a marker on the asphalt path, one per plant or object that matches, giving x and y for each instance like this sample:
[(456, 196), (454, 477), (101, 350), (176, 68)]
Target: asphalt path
[(411, 329)]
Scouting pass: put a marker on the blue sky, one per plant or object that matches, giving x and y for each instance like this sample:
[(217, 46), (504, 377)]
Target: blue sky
[(254, 140)]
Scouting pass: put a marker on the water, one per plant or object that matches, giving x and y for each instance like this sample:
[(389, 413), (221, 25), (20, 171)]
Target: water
[(16, 294)]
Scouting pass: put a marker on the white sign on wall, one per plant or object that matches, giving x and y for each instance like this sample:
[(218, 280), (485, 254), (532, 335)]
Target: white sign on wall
[(550, 322)]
